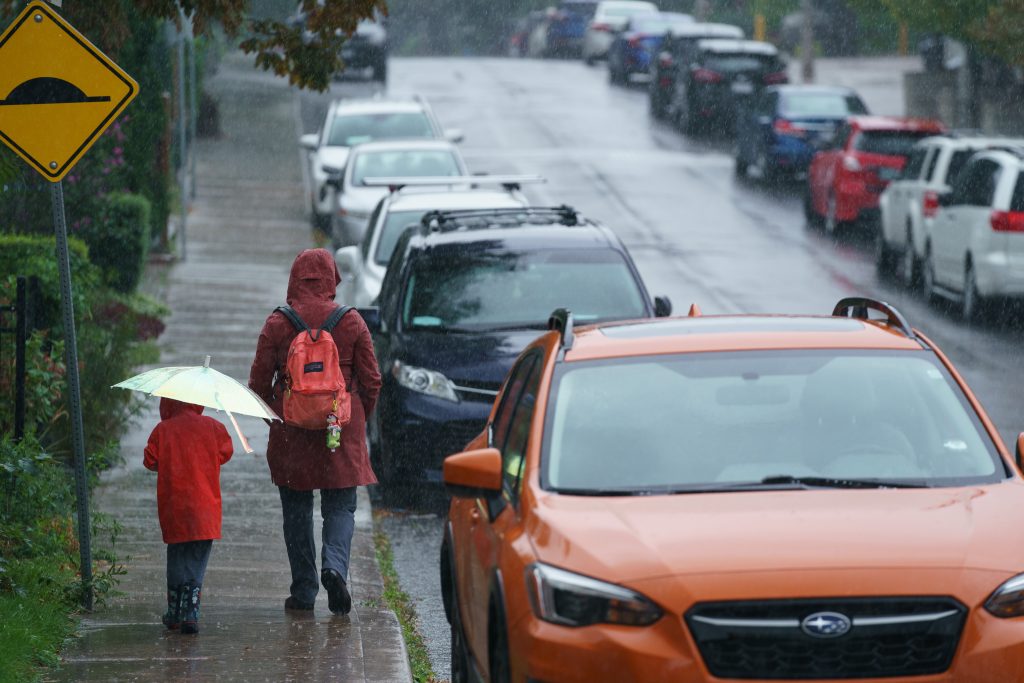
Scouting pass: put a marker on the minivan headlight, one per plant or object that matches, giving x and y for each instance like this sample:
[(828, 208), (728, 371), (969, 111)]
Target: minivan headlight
[(423, 381), (569, 599), (1007, 600)]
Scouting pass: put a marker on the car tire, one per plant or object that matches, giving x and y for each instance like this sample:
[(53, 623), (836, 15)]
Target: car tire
[(497, 644), (740, 169), (910, 266), (928, 287), (832, 224), (885, 258), (973, 305), (656, 106), (460, 668), (811, 217), (769, 174), (380, 71), (590, 60)]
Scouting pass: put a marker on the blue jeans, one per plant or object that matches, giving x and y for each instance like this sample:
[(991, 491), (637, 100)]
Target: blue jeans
[(338, 507), (186, 563)]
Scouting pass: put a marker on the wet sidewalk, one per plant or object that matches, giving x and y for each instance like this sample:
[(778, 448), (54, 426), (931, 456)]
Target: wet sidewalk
[(247, 225)]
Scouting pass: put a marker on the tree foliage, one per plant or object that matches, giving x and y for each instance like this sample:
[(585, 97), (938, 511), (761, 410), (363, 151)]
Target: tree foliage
[(307, 55)]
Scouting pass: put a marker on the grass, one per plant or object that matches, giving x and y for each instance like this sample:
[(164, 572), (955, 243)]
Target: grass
[(34, 620), (399, 602)]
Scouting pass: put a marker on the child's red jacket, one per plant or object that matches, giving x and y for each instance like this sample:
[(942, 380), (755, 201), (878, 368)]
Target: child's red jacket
[(186, 451)]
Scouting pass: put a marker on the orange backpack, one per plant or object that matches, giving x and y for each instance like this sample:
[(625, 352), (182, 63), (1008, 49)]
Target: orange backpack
[(315, 387)]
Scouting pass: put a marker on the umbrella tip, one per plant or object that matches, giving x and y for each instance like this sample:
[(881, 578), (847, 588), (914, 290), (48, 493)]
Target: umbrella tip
[(206, 363)]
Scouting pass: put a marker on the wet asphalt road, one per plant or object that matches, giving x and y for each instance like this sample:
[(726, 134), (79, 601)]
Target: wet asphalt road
[(698, 234)]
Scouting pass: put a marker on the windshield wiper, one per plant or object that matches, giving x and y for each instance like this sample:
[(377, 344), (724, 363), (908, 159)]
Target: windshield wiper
[(775, 482), (837, 483)]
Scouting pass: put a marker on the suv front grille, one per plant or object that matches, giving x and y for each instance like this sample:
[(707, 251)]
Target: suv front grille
[(886, 637)]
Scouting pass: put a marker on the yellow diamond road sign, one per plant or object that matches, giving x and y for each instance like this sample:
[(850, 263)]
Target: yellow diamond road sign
[(58, 92)]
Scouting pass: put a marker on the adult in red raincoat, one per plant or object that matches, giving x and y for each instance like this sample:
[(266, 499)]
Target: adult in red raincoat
[(186, 450), (299, 459)]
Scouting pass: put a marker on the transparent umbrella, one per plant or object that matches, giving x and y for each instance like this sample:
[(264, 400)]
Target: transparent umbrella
[(204, 386)]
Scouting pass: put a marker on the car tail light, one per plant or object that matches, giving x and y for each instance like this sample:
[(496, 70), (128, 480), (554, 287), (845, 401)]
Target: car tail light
[(603, 28), (784, 127), (665, 60), (706, 76), (634, 42), (930, 205), (776, 77), (1007, 221), (851, 163)]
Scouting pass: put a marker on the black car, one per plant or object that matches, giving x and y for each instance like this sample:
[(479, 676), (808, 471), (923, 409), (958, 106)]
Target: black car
[(721, 80), (465, 292), (675, 52), (365, 49)]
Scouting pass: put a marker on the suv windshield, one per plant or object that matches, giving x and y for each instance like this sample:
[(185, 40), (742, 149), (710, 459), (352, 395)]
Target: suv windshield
[(832, 105), (490, 289), (708, 419), (404, 162), (355, 129), (890, 142)]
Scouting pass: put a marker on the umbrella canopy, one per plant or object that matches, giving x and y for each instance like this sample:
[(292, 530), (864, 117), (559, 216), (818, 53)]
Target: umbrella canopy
[(204, 386)]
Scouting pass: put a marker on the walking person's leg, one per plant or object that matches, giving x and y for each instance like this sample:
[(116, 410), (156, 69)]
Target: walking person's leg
[(175, 580), (297, 510), (338, 507), (195, 556)]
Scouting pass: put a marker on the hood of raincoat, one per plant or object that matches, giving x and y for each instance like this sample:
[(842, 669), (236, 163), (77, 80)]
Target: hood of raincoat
[(314, 277), (170, 407)]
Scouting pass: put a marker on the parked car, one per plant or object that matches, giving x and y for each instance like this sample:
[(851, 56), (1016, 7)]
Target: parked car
[(780, 133), (677, 50), (635, 45), (735, 497), (363, 266), (719, 81), (353, 122), (913, 197), (609, 17), (867, 152), (365, 49), (356, 193), (974, 245), (566, 26), (461, 298)]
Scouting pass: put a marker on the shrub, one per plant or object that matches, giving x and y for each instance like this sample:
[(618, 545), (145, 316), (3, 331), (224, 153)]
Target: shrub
[(118, 239), (34, 255)]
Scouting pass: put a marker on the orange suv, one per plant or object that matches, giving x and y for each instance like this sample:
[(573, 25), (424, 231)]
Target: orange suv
[(740, 498)]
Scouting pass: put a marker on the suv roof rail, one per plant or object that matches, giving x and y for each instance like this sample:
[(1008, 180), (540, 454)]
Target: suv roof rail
[(509, 182), (858, 307), (561, 321), (440, 221)]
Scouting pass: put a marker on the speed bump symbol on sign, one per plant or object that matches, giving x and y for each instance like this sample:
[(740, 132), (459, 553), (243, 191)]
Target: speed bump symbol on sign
[(58, 92)]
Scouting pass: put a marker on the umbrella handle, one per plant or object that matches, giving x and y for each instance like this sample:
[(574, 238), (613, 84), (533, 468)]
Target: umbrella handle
[(241, 436)]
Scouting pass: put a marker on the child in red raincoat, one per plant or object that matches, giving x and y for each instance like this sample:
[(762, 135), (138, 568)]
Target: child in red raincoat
[(186, 450)]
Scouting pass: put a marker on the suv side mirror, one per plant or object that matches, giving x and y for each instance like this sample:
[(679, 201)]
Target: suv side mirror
[(348, 260), (454, 135), (662, 307), (334, 176), (309, 141), (474, 474), (371, 316)]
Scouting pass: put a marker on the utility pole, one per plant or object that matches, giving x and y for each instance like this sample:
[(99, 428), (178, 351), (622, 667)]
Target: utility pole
[(807, 41)]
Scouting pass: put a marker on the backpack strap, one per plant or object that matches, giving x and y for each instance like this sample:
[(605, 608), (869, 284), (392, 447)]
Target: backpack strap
[(335, 317), (298, 323)]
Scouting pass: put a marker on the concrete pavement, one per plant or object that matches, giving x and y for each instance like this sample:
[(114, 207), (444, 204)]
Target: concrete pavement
[(247, 224)]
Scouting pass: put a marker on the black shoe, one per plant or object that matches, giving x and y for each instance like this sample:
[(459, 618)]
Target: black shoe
[(172, 617), (297, 605), (190, 598), (338, 599)]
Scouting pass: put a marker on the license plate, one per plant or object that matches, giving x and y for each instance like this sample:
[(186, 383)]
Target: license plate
[(742, 87)]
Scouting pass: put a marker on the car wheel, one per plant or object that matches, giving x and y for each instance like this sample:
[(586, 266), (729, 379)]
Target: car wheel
[(768, 173), (656, 106), (910, 266), (832, 223), (885, 258), (741, 166), (928, 277), (590, 60), (380, 71), (811, 217), (973, 304), (499, 663)]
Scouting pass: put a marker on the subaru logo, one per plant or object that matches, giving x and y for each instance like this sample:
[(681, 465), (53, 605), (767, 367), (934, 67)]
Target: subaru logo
[(826, 625)]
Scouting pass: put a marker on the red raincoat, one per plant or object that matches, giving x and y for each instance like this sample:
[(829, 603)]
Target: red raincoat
[(299, 458), (186, 451)]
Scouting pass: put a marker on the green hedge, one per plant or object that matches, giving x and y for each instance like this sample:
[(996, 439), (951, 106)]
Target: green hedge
[(34, 255), (118, 239)]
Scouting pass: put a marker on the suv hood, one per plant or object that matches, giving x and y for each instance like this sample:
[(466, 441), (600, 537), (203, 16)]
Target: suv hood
[(478, 360), (633, 538)]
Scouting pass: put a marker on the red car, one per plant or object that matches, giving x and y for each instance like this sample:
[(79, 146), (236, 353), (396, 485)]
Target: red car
[(846, 178)]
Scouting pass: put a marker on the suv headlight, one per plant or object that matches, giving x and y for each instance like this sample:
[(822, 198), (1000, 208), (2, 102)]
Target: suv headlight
[(562, 597), (1007, 600), (424, 381)]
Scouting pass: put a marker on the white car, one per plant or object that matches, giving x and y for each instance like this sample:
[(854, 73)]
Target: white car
[(913, 197), (974, 248), (352, 122), (610, 17), (355, 198), (363, 266)]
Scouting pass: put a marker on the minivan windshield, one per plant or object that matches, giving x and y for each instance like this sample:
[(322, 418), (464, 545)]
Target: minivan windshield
[(706, 420), (354, 129), (490, 289)]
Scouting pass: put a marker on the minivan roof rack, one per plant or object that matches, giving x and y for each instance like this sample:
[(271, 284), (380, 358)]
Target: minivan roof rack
[(508, 182), (442, 221), (858, 307), (561, 321)]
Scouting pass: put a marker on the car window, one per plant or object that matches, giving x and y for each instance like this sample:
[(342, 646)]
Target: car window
[(930, 164), (702, 419), (914, 163), (733, 63), (509, 400), (483, 287), (1017, 200), (513, 450), (888, 142), (404, 163), (354, 129), (364, 245), (977, 184), (800, 104), (395, 223), (957, 162), (842, 136)]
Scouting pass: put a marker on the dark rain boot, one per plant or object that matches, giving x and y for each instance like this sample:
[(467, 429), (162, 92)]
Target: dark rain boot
[(190, 608), (172, 617)]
